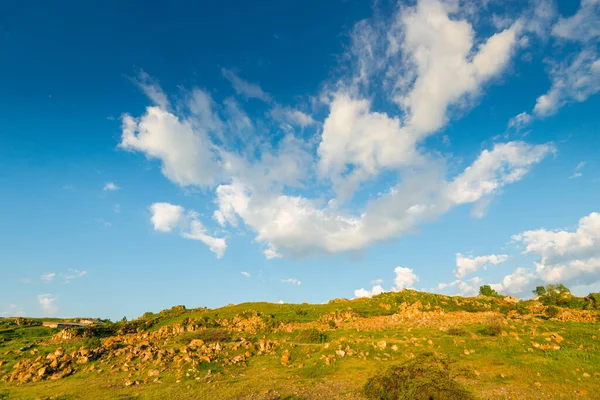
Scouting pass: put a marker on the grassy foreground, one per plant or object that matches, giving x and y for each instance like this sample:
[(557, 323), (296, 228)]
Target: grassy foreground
[(487, 347)]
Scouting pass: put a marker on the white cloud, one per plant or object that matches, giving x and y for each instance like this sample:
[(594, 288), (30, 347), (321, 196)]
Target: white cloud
[(295, 225), (520, 121), (506, 163), (375, 290), (292, 281), (576, 173), (405, 278), (572, 81), (470, 287), (183, 147), (517, 282), (566, 256), (246, 274), (73, 274), (110, 186), (584, 25), (448, 66), (292, 117), (271, 253), (151, 89), (46, 302), (292, 192), (245, 88), (166, 216), (377, 282), (48, 277), (196, 231), (467, 264)]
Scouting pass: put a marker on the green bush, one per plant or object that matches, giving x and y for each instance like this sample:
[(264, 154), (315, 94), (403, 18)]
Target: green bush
[(428, 376), (457, 331), (332, 324), (553, 311), (312, 335), (492, 328), (486, 290)]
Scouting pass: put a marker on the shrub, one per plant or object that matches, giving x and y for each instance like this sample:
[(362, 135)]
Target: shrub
[(457, 331), (553, 311), (312, 336), (428, 376), (486, 290), (332, 324), (493, 328)]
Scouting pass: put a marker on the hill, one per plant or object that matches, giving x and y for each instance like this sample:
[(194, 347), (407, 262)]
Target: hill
[(404, 344)]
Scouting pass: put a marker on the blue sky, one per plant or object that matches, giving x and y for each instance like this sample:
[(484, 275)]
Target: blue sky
[(215, 153)]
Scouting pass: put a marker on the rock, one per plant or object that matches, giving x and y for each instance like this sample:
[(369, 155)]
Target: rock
[(511, 299), (382, 344), (340, 353), (153, 372), (285, 358), (196, 343), (42, 371)]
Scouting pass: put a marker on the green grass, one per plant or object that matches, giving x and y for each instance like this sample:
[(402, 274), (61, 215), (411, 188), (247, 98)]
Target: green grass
[(496, 350)]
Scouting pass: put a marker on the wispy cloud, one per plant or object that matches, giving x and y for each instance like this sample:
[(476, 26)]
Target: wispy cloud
[(246, 274), (577, 172), (48, 277), (245, 88), (292, 281)]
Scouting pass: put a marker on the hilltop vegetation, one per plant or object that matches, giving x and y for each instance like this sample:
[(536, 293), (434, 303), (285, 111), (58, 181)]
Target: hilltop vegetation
[(395, 345)]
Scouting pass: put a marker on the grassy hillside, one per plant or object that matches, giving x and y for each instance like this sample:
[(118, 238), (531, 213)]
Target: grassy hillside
[(412, 342)]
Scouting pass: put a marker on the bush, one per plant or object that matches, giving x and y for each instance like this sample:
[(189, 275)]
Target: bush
[(332, 324), (553, 311), (428, 376), (312, 336), (493, 328), (457, 331), (486, 290)]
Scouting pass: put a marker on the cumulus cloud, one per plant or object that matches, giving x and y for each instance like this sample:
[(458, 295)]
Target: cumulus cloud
[(110, 187), (245, 88), (517, 282), (405, 278), (469, 287), (48, 277), (166, 216), (468, 264), (46, 302), (246, 274), (566, 256), (294, 192), (375, 290), (197, 231)]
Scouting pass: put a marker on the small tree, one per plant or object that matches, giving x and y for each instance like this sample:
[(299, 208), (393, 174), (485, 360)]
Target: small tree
[(124, 319), (539, 290), (486, 290)]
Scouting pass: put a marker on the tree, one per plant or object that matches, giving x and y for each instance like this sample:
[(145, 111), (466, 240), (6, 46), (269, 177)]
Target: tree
[(539, 290), (486, 290), (124, 319)]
